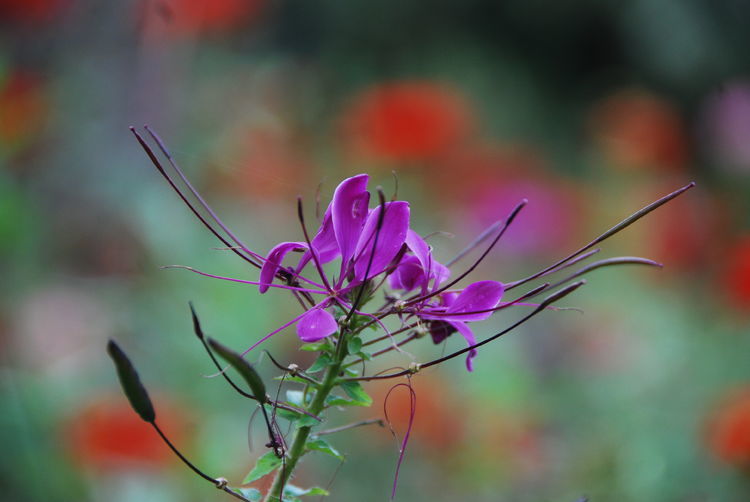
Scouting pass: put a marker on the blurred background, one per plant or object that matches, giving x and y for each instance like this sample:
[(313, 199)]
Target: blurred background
[(589, 108)]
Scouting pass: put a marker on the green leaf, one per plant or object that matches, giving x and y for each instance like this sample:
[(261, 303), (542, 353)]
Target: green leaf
[(243, 368), (296, 491), (355, 391), (131, 383), (323, 446), (322, 362), (306, 421), (265, 465), (333, 400), (290, 415), (316, 347), (355, 345), (351, 371), (252, 494), (295, 397)]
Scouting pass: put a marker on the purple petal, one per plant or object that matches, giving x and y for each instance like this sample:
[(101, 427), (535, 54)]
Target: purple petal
[(389, 242), (419, 247), (349, 212), (476, 297), (315, 325), (408, 275), (273, 262), (324, 242), (440, 272), (468, 335)]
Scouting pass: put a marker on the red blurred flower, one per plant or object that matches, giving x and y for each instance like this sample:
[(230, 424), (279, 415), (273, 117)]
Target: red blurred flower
[(406, 121), (736, 274), (30, 11), (22, 108), (180, 18), (107, 434), (637, 130), (728, 429), (684, 234)]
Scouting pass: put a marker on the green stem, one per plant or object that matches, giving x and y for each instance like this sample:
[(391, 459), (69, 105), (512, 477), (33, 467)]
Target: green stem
[(297, 450)]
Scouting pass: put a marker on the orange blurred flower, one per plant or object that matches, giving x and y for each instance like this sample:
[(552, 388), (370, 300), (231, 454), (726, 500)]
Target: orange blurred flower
[(637, 130), (22, 109), (107, 434), (438, 423), (185, 18), (736, 274), (406, 121), (270, 166), (728, 428)]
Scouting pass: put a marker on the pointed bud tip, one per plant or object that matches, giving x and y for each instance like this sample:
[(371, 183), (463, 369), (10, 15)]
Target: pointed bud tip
[(196, 322)]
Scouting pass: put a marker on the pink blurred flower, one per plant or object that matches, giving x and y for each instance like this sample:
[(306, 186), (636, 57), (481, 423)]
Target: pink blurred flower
[(727, 117), (488, 181)]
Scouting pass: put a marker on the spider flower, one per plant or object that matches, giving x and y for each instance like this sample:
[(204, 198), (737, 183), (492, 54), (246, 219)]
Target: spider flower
[(375, 246)]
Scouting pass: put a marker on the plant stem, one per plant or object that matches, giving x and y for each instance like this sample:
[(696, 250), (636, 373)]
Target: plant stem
[(297, 450)]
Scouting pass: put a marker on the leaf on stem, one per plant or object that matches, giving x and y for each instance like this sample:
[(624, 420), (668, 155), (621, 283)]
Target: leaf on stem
[(265, 465), (355, 391), (323, 446)]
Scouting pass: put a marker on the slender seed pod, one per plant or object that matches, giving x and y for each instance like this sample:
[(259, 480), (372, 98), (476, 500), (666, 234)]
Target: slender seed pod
[(243, 367), (131, 383)]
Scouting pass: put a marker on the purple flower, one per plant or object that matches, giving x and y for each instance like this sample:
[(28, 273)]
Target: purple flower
[(365, 241)]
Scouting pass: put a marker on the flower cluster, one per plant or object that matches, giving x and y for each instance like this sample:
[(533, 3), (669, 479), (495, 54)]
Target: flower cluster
[(371, 243), (357, 252)]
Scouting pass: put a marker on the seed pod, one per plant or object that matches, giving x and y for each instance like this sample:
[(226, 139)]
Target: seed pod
[(131, 383), (243, 367)]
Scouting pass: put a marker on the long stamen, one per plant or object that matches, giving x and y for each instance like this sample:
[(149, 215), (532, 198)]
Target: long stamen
[(184, 198), (405, 440), (197, 195), (242, 281), (507, 224), (542, 306), (284, 326), (609, 233), (477, 241), (534, 292)]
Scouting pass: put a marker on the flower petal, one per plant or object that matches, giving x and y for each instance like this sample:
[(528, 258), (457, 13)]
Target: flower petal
[(476, 297), (324, 242), (389, 242), (468, 335), (408, 275), (349, 212), (315, 325), (273, 262)]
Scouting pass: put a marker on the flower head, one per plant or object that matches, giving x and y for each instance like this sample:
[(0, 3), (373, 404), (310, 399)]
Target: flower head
[(375, 247)]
